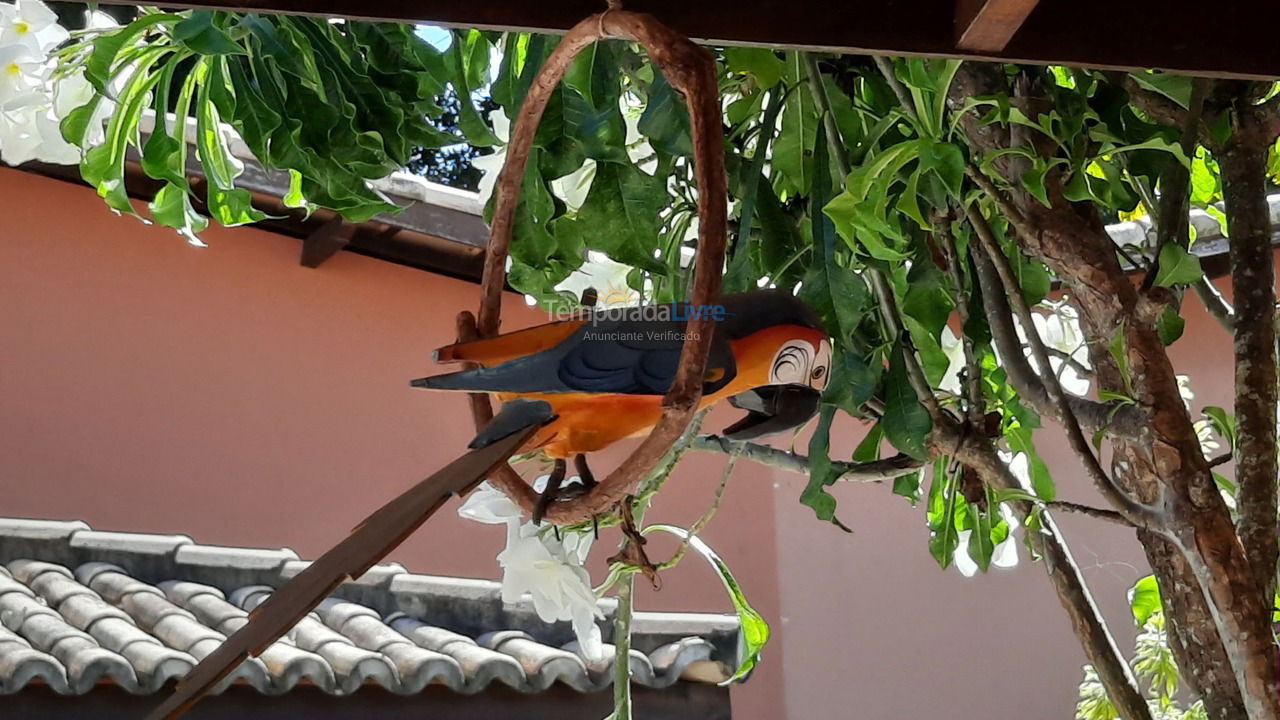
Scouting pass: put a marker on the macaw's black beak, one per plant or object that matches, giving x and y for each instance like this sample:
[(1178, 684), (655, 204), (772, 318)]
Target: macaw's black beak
[(773, 409)]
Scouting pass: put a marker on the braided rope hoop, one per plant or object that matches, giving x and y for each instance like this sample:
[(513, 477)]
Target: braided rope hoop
[(690, 70)]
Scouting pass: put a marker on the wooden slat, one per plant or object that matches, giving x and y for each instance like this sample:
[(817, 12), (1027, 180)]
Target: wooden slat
[(987, 26), (1235, 40), (326, 241)]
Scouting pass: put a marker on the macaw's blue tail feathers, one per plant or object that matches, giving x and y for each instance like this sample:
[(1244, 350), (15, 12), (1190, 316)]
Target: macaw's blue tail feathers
[(514, 416)]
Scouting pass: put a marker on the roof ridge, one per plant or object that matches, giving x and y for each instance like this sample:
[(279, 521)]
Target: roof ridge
[(388, 588)]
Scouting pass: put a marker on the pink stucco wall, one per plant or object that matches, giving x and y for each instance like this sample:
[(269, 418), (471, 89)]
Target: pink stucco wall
[(229, 394)]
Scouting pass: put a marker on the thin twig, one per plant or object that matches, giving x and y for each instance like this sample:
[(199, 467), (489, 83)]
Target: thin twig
[(975, 406), (1095, 512), (701, 523)]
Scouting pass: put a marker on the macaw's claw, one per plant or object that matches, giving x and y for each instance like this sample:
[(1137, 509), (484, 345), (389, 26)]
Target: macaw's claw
[(557, 491)]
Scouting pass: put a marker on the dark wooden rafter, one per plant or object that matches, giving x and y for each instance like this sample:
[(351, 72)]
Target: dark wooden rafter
[(1235, 40), (326, 241), (988, 25)]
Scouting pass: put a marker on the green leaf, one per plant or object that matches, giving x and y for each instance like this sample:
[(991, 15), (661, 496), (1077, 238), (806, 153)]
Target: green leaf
[(1223, 422), (760, 63), (908, 486), (1175, 87), (233, 207), (1176, 266), (1144, 599), (792, 156), (821, 471), (836, 293), (665, 120), (294, 197), (982, 544), (906, 423), (620, 215), (1033, 181), (869, 447), (1170, 325), (201, 34), (754, 629), (740, 272), (852, 383), (1119, 353), (1019, 439), (107, 47), (941, 514), (946, 161), (172, 208), (467, 53)]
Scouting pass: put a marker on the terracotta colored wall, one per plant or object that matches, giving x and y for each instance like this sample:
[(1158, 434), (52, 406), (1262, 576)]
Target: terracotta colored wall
[(232, 395)]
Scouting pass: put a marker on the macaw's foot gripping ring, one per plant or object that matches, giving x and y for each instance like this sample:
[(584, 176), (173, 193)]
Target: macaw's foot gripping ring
[(557, 491)]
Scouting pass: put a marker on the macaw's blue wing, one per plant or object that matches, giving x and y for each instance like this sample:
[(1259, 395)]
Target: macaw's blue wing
[(607, 356)]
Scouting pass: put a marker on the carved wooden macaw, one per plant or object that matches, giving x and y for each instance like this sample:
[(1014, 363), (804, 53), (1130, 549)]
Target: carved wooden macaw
[(593, 381), (569, 388)]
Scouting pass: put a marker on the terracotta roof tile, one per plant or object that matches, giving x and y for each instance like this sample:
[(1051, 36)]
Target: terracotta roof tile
[(79, 606)]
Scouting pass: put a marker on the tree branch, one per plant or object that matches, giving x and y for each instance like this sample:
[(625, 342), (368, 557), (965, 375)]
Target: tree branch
[(862, 472), (1133, 511), (1126, 421), (1087, 622), (1215, 303), (975, 405)]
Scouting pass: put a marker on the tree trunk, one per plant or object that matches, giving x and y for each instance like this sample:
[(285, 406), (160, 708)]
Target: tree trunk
[(1244, 177), (1165, 467)]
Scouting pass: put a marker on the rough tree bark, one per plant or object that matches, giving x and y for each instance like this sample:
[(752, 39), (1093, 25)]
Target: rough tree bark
[(1220, 620), (1244, 178)]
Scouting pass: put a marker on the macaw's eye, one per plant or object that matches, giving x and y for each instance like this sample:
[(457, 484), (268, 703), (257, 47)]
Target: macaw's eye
[(821, 372)]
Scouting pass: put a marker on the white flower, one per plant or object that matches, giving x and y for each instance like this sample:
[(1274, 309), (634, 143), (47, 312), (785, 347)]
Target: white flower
[(21, 76), (609, 279), (487, 504), (573, 188), (32, 24), (33, 134), (556, 581), (19, 139), (491, 165), (550, 571), (1184, 390), (954, 350)]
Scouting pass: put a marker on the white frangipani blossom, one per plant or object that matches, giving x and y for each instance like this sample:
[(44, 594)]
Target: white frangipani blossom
[(32, 24), (33, 101), (607, 277), (21, 76), (547, 569), (573, 188)]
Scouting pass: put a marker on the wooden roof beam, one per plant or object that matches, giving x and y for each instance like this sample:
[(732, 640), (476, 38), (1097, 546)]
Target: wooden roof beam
[(987, 26)]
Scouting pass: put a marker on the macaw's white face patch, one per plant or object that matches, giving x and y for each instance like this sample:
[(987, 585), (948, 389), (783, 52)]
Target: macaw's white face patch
[(798, 362)]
